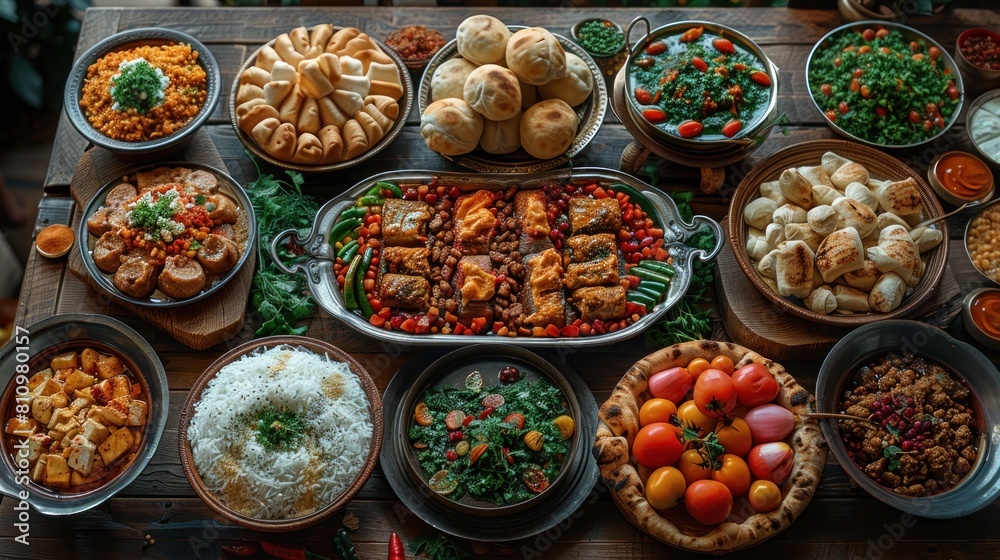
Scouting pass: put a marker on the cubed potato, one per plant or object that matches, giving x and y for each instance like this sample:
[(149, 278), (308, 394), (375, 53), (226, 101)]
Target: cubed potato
[(120, 387), (79, 404), (117, 411), (97, 413), (59, 400), (136, 413), (81, 454), (83, 394), (109, 366), (78, 380), (57, 471), (67, 360), (97, 472), (66, 431), (116, 445), (21, 426), (62, 374), (38, 471), (48, 387), (59, 416), (37, 445), (95, 431), (102, 392), (88, 360), (38, 378), (41, 409)]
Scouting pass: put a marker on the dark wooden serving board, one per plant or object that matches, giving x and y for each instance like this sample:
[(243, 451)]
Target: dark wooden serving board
[(200, 325), (752, 320)]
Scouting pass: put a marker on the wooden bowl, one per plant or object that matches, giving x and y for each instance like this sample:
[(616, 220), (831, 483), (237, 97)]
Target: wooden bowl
[(619, 423), (879, 166), (292, 524)]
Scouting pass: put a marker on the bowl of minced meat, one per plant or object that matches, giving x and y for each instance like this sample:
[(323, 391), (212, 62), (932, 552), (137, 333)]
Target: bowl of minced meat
[(143, 93), (926, 406)]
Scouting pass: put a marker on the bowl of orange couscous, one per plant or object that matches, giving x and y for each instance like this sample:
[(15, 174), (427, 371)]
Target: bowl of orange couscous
[(143, 93)]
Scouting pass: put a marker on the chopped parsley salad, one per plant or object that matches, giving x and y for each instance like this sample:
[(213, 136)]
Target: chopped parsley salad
[(699, 85), (882, 87), (502, 443)]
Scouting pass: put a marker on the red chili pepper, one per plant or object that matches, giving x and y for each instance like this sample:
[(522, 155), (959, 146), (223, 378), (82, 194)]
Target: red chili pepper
[(289, 551), (241, 551), (396, 550)]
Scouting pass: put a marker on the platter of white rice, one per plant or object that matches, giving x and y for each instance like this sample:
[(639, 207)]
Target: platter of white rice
[(280, 433)]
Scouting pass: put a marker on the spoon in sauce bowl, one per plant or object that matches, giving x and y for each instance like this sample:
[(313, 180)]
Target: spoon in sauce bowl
[(937, 219)]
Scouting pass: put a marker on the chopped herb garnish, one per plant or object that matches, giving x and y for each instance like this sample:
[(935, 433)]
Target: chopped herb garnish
[(279, 430), (138, 85), (200, 200)]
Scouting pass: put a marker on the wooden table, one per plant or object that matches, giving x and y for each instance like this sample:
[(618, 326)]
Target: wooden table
[(160, 506)]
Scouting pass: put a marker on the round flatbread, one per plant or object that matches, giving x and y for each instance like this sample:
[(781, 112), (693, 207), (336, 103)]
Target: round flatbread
[(619, 423)]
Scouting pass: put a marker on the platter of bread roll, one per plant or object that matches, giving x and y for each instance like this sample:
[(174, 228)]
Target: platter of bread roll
[(508, 99), (320, 99), (829, 231)]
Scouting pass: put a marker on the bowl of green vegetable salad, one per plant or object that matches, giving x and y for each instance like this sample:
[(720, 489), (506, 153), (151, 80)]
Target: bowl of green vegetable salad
[(884, 84)]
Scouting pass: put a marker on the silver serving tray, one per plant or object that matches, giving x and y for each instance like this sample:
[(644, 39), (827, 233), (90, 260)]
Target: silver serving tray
[(323, 284), (591, 113)]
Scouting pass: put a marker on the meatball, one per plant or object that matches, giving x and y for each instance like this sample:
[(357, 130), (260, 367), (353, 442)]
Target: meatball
[(120, 195), (203, 181), (108, 251), (218, 254), (225, 211), (181, 278), (136, 277), (98, 223)]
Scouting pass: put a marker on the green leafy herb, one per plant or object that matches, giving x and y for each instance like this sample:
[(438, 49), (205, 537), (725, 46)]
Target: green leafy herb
[(282, 300), (279, 430), (440, 548), (892, 454), (687, 321), (138, 85), (200, 200)]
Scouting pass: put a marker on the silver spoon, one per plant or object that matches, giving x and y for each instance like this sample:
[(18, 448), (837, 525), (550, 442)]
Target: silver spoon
[(835, 416), (930, 221)]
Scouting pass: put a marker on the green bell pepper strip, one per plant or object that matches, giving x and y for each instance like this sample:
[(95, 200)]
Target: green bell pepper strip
[(347, 247), (354, 212), (637, 197), (391, 187), (653, 286), (646, 274), (342, 228), (350, 285), (640, 298), (649, 292), (657, 266), (351, 252), (371, 200), (362, 297)]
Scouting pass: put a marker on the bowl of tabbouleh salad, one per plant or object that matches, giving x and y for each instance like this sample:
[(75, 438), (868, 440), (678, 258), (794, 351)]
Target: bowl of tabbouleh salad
[(884, 84)]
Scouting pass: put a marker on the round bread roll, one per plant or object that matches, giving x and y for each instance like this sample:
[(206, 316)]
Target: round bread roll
[(535, 56), (449, 79), (502, 137), (482, 39), (451, 127), (494, 92), (574, 87), (548, 128)]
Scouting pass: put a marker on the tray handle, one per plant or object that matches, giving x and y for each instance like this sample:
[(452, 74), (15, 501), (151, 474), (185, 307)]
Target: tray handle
[(276, 259), (681, 230), (628, 30)]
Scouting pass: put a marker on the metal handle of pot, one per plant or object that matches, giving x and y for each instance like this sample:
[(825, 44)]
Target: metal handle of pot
[(276, 259), (628, 30), (680, 230)]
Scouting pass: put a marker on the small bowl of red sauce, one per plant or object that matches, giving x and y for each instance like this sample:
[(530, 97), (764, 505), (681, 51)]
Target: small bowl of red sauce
[(416, 45), (960, 177), (981, 315), (977, 55)]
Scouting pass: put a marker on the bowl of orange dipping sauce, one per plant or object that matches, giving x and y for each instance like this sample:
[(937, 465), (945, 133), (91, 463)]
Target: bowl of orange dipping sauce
[(981, 310), (960, 177)]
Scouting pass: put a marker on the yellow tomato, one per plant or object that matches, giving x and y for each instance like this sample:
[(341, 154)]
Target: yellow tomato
[(725, 363), (665, 487), (694, 466), (735, 474), (764, 496), (698, 365), (735, 436), (692, 417), (657, 410)]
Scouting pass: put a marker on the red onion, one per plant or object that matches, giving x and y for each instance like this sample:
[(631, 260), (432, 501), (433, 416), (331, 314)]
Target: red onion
[(771, 461), (769, 422), (671, 384)]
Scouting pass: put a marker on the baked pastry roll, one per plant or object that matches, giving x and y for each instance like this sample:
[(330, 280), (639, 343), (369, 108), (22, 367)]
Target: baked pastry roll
[(449, 79), (501, 137), (849, 173), (895, 252), (451, 127), (318, 39), (757, 245), (790, 214), (801, 232), (350, 66), (387, 105), (887, 293), (355, 139), (313, 81), (330, 114), (926, 238), (266, 57), (886, 219), (309, 121), (795, 188), (291, 106), (373, 132), (494, 92), (246, 92), (850, 299), (286, 50), (535, 56), (821, 300), (863, 278), (862, 194), (855, 214), (482, 39), (276, 91), (384, 123), (816, 175), (774, 234), (823, 219), (839, 253), (575, 87), (831, 162), (277, 138), (308, 149), (824, 195), (251, 113), (794, 269), (333, 144), (900, 197), (256, 76), (758, 212), (767, 265), (772, 190)]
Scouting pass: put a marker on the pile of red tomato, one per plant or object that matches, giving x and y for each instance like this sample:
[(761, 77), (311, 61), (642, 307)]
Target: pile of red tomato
[(701, 451)]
